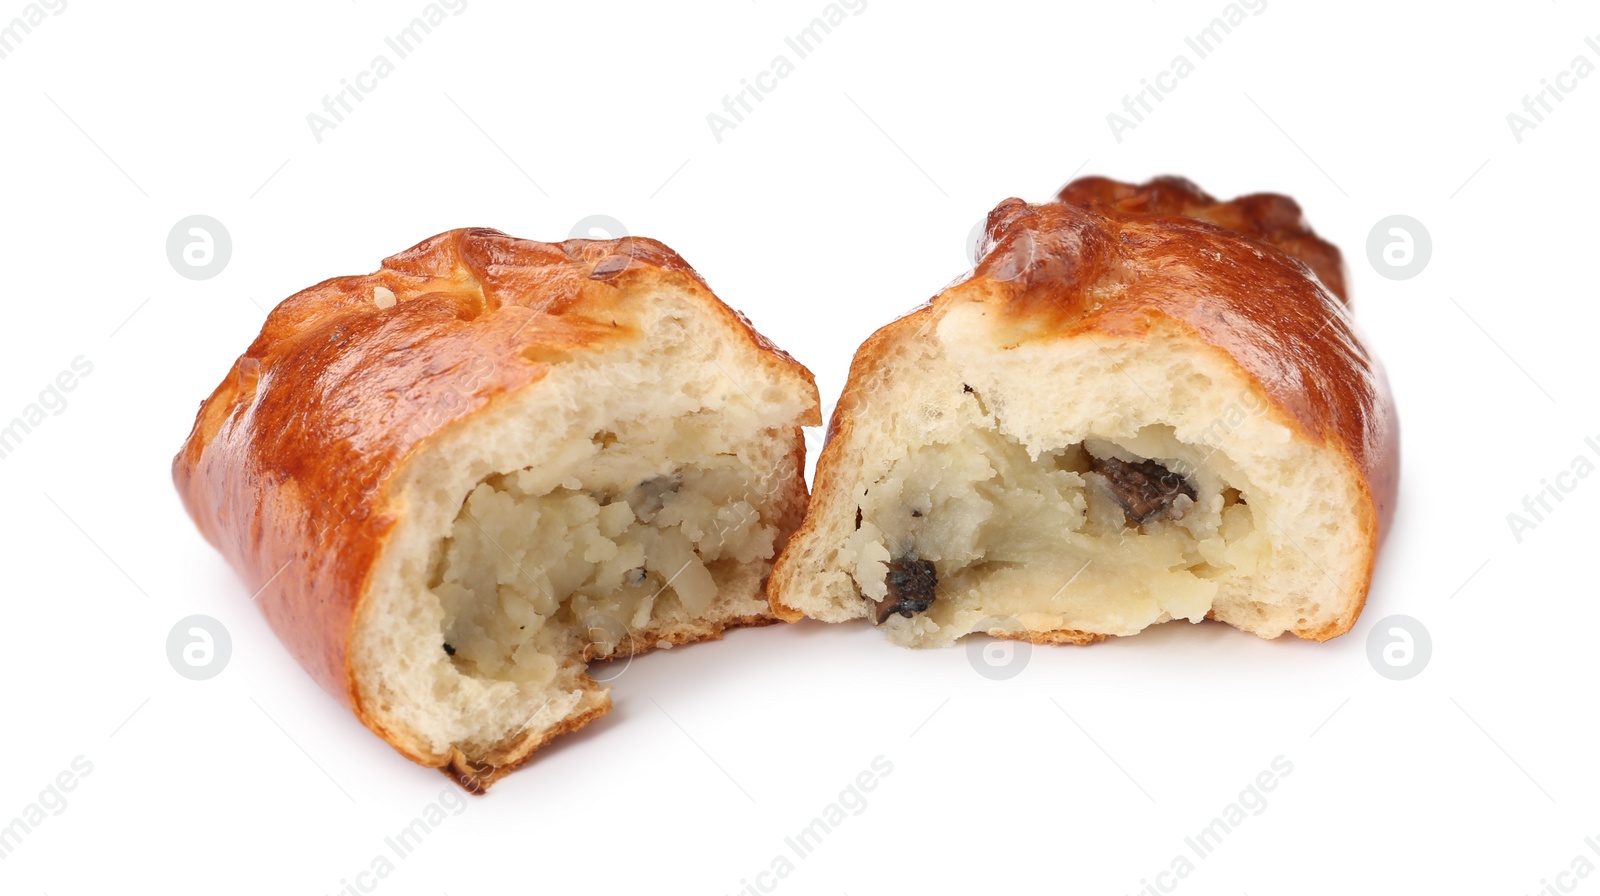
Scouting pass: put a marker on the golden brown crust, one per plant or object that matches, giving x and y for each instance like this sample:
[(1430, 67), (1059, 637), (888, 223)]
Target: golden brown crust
[(477, 776), (1061, 636), (288, 466), (1269, 217), (1092, 267)]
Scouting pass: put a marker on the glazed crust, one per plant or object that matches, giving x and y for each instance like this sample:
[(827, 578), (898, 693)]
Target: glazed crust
[(1267, 217), (288, 466), (1105, 264)]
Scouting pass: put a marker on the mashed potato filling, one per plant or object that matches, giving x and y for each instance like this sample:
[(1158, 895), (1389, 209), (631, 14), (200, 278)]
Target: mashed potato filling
[(1103, 536), (573, 555)]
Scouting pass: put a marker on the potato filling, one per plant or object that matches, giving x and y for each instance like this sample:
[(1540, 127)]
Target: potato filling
[(1100, 536), (578, 555)]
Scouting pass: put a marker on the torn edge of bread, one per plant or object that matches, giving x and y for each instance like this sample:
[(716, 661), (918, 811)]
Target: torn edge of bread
[(456, 482), (632, 499), (1056, 449)]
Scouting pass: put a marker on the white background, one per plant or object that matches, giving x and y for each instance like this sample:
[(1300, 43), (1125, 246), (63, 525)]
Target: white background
[(846, 198)]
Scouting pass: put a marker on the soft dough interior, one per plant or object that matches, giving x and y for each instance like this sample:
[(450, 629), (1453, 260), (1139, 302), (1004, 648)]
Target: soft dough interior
[(632, 499), (1070, 489)]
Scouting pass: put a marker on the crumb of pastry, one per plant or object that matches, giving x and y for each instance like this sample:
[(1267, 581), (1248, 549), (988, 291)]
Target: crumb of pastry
[(1075, 488), (636, 497)]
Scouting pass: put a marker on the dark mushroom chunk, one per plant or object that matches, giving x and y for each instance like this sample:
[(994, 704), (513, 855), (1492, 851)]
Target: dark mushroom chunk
[(1145, 490), (911, 584), (651, 495)]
